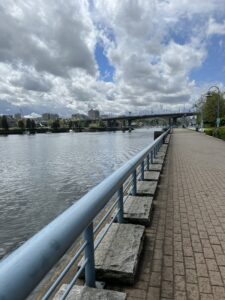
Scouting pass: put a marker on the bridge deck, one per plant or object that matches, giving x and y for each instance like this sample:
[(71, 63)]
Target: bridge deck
[(184, 252)]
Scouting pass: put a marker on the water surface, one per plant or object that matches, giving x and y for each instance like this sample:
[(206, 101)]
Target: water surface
[(43, 174)]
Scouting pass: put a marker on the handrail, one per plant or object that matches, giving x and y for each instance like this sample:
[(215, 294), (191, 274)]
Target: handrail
[(22, 270)]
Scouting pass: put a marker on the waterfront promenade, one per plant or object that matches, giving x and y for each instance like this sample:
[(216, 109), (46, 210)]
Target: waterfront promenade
[(184, 251)]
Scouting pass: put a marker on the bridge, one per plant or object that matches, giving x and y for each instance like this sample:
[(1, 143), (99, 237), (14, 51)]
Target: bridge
[(151, 116), (159, 232), (170, 117)]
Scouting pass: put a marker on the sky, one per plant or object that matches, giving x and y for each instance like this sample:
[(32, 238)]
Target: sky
[(137, 56)]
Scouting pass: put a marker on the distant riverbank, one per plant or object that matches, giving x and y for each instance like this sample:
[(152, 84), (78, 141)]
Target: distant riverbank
[(60, 130)]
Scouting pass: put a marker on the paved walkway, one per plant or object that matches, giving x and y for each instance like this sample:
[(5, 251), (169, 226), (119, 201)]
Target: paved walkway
[(184, 252)]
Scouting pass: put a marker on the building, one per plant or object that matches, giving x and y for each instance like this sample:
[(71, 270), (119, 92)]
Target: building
[(79, 116), (17, 116), (48, 116), (93, 114)]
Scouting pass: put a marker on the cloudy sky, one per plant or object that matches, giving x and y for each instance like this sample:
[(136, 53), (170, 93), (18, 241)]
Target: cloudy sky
[(116, 56)]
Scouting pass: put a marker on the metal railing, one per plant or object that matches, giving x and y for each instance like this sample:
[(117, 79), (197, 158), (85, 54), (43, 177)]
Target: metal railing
[(22, 270)]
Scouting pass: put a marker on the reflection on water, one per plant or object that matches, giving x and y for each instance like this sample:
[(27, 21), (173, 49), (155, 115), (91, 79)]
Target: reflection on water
[(42, 175)]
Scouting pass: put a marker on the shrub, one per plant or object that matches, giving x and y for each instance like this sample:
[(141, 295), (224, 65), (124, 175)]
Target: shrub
[(208, 131), (220, 133)]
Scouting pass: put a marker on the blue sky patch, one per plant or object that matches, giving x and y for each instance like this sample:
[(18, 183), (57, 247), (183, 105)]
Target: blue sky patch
[(213, 68), (106, 70)]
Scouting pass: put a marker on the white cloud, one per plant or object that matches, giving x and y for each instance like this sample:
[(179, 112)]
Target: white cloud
[(215, 28), (33, 115), (47, 53)]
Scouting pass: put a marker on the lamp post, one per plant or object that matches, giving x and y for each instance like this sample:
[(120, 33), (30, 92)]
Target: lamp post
[(209, 93)]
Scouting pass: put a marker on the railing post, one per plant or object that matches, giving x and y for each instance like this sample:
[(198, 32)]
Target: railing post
[(143, 170), (151, 157), (134, 181), (120, 205), (148, 158), (89, 254)]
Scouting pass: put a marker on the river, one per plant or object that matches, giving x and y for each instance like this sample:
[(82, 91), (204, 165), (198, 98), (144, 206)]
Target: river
[(43, 174)]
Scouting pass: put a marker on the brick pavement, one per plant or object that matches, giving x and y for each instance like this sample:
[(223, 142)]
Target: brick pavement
[(184, 251)]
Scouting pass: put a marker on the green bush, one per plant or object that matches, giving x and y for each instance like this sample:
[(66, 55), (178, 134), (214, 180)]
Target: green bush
[(220, 133), (208, 131), (217, 132)]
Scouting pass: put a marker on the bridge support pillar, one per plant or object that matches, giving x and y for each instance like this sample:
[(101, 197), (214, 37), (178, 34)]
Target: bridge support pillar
[(129, 125)]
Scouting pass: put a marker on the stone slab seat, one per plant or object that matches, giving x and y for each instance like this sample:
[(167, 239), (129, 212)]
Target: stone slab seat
[(160, 154), (151, 175), (146, 188), (137, 210), (158, 161), (155, 167), (117, 256), (163, 148), (167, 140), (85, 293)]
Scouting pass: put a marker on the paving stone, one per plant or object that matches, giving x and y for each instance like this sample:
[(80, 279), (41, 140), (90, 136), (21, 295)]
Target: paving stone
[(202, 270), (179, 283), (155, 279), (192, 291), (186, 247), (152, 175), (204, 285), (146, 188), (206, 297), (153, 293), (215, 278), (86, 293), (179, 295), (211, 264), (191, 276), (137, 210), (218, 292), (167, 289)]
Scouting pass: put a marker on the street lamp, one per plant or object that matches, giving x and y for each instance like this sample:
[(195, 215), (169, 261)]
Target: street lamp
[(209, 93)]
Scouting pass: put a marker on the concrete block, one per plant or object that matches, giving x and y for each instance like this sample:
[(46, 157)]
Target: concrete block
[(167, 140), (163, 148), (155, 167), (146, 188), (116, 258), (158, 161), (152, 175), (85, 293), (137, 210), (161, 154)]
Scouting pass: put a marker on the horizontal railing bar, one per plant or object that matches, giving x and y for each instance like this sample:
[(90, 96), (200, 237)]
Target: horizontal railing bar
[(100, 238), (105, 216), (60, 277), (22, 270), (74, 280)]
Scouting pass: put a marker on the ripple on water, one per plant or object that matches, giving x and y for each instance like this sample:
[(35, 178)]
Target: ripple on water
[(45, 174)]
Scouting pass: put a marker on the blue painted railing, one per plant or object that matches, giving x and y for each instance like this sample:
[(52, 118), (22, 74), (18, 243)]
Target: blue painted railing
[(22, 270)]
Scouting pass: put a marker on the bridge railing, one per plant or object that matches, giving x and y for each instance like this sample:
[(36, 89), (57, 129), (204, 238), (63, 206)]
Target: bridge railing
[(23, 270)]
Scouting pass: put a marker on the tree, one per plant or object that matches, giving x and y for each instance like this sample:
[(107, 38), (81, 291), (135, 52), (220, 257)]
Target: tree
[(32, 124), (210, 108), (4, 122), (28, 123), (21, 124), (56, 124)]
